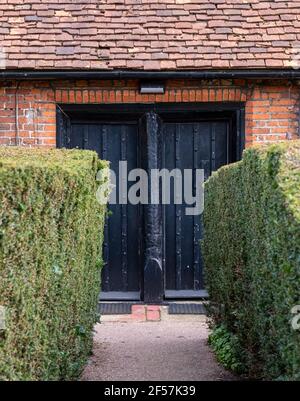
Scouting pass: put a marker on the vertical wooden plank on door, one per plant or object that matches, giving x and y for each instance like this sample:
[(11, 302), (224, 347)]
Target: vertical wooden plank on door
[(221, 144), (169, 210), (186, 166), (133, 218), (196, 218), (178, 208), (86, 137), (76, 139), (124, 215), (105, 270), (213, 146), (204, 162), (115, 219)]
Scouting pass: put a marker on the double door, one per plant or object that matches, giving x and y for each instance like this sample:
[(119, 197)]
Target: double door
[(152, 249)]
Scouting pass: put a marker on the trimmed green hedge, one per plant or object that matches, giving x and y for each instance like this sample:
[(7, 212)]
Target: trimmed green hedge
[(50, 259), (252, 257)]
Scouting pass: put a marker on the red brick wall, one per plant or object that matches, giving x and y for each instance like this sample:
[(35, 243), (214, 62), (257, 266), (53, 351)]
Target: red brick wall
[(272, 108)]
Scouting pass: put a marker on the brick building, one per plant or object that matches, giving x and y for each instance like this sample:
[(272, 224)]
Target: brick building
[(207, 76)]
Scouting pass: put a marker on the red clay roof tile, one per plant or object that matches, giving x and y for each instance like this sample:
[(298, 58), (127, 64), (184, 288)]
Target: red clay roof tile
[(149, 34)]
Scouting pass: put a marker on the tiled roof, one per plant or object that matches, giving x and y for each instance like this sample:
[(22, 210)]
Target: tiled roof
[(149, 34)]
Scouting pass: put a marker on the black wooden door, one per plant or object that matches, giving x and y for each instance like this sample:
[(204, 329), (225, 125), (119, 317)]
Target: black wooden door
[(189, 145), (152, 252), (117, 142)]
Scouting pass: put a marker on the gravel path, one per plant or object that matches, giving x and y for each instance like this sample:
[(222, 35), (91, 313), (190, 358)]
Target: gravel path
[(174, 348)]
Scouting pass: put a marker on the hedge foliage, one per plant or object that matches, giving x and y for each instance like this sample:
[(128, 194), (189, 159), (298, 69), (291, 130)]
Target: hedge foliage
[(226, 348), (252, 257), (50, 259)]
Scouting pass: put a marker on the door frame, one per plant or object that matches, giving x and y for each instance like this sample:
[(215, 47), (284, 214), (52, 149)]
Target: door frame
[(181, 112), (132, 111)]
